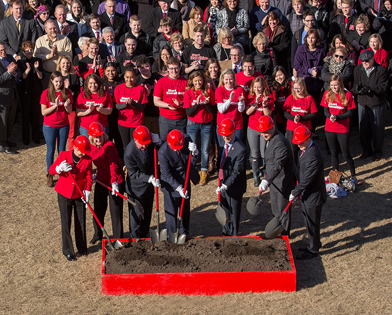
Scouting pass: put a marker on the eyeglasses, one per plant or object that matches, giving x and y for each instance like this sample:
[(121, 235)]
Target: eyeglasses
[(29, 51), (339, 56), (173, 68)]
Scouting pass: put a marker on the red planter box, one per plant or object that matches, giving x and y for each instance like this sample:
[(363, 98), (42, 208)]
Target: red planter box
[(199, 283)]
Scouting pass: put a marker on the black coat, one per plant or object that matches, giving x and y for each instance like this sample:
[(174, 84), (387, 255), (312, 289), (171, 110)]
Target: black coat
[(311, 182), (104, 52), (144, 42), (361, 40), (73, 34), (338, 26), (281, 46), (32, 84), (234, 169), (154, 17), (265, 62), (346, 74), (119, 22)]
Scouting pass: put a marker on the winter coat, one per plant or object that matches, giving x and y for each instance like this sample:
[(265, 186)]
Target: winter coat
[(242, 25), (265, 62), (361, 40), (322, 17), (338, 26), (257, 15), (83, 25), (352, 55), (346, 73), (158, 44), (281, 45)]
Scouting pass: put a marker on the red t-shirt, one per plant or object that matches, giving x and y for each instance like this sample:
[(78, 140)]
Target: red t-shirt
[(253, 118), (221, 96), (94, 116), (302, 107), (130, 116), (201, 115), (167, 89), (337, 108), (245, 81), (280, 98), (59, 117)]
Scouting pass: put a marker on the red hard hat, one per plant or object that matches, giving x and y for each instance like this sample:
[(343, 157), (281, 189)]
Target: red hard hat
[(301, 133), (142, 135), (176, 139), (82, 144), (95, 129), (226, 127), (264, 123)]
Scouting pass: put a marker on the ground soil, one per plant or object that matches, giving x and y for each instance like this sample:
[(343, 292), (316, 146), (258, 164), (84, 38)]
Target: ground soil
[(352, 275), (200, 255)]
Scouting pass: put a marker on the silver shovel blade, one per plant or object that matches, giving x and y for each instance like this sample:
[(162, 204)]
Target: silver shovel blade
[(163, 235), (273, 228), (154, 236), (220, 215), (173, 237), (181, 239), (116, 245), (254, 205)]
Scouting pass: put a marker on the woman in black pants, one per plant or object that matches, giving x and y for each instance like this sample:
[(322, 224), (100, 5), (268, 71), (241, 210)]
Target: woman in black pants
[(338, 105)]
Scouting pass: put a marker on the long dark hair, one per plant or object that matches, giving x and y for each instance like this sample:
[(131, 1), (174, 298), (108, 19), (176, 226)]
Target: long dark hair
[(286, 83), (97, 79), (110, 64), (161, 64), (210, 62), (204, 88), (51, 90)]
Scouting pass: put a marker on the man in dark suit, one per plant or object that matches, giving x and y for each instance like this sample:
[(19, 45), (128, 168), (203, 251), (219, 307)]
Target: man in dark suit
[(139, 160), (95, 24), (152, 24), (8, 74), (279, 166), (232, 175), (311, 188), (66, 28), (173, 158), (110, 49), (16, 29), (113, 19)]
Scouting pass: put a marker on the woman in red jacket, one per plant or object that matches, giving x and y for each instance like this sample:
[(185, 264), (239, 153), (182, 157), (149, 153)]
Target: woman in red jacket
[(338, 105), (300, 108), (198, 100), (94, 104), (130, 99), (260, 103), (78, 165), (230, 100), (380, 54), (109, 171), (56, 104)]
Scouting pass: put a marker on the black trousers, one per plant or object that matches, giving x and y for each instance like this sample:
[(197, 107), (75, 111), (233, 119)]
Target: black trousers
[(166, 125), (31, 114), (172, 206), (278, 205), (371, 128), (126, 134), (66, 205), (294, 147), (116, 210), (139, 227), (232, 206), (335, 140), (114, 134), (7, 118), (312, 217)]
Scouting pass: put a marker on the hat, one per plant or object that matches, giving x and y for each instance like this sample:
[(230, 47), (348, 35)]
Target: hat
[(366, 55), (40, 10)]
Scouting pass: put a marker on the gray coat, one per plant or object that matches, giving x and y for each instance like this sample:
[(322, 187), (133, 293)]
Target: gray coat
[(242, 25)]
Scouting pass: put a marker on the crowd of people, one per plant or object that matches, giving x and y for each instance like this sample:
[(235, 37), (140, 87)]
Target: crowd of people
[(244, 82)]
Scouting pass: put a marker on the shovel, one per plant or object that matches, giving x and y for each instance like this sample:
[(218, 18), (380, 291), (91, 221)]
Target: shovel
[(133, 202), (173, 237), (275, 227), (255, 204), (157, 236), (220, 213), (109, 247)]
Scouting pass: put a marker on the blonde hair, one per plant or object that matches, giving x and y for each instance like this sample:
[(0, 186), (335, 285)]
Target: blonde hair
[(71, 66), (363, 19), (260, 37), (227, 71), (82, 13), (195, 10), (266, 91), (105, 139), (331, 95), (175, 37), (301, 83), (223, 33), (380, 41)]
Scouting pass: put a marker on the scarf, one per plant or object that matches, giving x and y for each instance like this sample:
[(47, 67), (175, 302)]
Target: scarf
[(336, 67), (231, 16), (76, 18), (270, 35)]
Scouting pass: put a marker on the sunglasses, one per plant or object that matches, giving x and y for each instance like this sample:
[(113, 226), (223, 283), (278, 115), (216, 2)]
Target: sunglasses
[(339, 56)]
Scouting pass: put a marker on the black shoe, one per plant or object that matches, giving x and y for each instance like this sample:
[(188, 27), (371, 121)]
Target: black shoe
[(11, 144), (95, 239), (83, 253), (70, 257), (307, 255), (6, 150)]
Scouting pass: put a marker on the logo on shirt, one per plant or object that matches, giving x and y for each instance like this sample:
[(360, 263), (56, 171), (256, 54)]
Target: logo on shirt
[(335, 105), (173, 92), (246, 88), (351, 27), (53, 104), (88, 104), (198, 57), (299, 110), (281, 99)]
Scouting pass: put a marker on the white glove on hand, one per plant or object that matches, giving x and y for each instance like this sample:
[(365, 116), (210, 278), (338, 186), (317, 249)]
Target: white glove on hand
[(221, 189), (115, 188), (193, 148), (63, 167), (86, 195), (263, 185), (292, 197), (181, 192), (155, 139), (154, 182)]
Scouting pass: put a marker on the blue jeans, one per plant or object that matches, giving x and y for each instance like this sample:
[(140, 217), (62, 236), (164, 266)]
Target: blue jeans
[(238, 134), (203, 130), (84, 132), (52, 134)]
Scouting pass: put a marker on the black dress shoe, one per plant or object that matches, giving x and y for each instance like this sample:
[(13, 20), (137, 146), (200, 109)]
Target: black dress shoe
[(95, 239), (8, 151), (363, 156), (11, 144), (70, 257), (83, 253), (307, 255)]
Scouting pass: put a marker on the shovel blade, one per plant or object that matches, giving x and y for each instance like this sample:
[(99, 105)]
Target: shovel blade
[(273, 228), (154, 236), (115, 245), (220, 215), (254, 205), (173, 237), (181, 239), (163, 235)]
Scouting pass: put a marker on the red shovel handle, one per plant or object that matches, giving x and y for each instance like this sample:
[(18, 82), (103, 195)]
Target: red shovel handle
[(288, 206), (156, 177), (219, 190), (186, 183), (110, 188)]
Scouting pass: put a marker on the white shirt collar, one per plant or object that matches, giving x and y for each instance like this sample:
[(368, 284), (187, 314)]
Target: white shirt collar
[(269, 8)]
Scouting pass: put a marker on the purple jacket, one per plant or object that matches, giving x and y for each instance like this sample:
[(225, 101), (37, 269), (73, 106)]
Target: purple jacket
[(305, 60), (122, 7)]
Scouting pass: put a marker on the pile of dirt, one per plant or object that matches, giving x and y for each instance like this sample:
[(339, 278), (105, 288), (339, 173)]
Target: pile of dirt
[(200, 255)]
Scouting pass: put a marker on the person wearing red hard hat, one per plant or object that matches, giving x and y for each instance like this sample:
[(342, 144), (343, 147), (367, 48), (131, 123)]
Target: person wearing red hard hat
[(311, 188), (75, 163), (173, 158), (231, 164), (109, 171), (279, 168), (139, 161)]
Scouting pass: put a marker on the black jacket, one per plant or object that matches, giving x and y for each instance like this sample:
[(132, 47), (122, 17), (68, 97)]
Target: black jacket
[(119, 22), (281, 45), (361, 40), (322, 17), (346, 74), (154, 18), (144, 42), (377, 82), (32, 84), (338, 26), (265, 62), (159, 42)]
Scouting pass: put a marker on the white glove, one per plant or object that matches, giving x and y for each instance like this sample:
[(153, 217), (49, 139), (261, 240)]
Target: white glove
[(115, 188), (193, 148), (154, 182), (221, 189), (181, 192), (86, 195), (63, 167), (155, 139), (292, 197), (263, 185)]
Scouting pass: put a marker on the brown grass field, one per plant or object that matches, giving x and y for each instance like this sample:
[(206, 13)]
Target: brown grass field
[(352, 275)]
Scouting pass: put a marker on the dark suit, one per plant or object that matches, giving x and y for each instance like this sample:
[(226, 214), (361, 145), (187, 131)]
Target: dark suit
[(234, 177), (8, 100), (119, 21), (104, 51), (311, 188), (173, 172), (73, 34), (2, 11), (154, 18), (11, 36), (279, 165), (140, 167)]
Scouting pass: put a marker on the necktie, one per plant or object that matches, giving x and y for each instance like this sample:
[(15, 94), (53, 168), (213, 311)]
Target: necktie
[(302, 153), (18, 25), (111, 20), (110, 48), (5, 62), (375, 5), (223, 161), (7, 6), (164, 14), (97, 35)]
